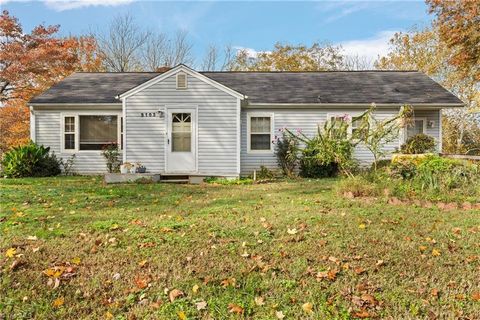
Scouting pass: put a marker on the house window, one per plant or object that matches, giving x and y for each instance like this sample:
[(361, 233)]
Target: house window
[(181, 80), (417, 126), (69, 133), (339, 119), (97, 131), (260, 133)]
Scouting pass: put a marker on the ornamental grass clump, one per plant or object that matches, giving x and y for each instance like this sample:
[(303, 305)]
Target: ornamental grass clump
[(286, 151), (329, 152)]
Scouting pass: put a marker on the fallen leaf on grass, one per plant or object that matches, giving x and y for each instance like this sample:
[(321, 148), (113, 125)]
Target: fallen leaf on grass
[(292, 231), (369, 299), (195, 288), (362, 314), (434, 293), (279, 315), (58, 302), (141, 282), (16, 264), (174, 294), (362, 226), (76, 260), (330, 275), (359, 270), (259, 301), (307, 307), (235, 308), (10, 252), (380, 263), (436, 252), (182, 315), (476, 296), (201, 305), (228, 282), (108, 315)]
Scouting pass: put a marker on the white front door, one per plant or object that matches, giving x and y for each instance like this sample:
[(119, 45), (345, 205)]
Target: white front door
[(181, 140)]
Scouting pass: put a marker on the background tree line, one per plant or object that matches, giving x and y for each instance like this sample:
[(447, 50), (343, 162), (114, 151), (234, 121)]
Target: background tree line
[(448, 51)]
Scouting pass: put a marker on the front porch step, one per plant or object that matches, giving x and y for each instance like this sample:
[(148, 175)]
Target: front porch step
[(174, 179)]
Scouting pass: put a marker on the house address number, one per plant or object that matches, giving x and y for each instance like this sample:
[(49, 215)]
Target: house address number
[(148, 114)]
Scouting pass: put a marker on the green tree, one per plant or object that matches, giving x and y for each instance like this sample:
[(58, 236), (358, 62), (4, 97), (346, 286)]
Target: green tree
[(286, 57)]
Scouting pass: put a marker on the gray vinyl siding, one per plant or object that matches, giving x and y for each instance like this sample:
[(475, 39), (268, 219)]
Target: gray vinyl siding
[(216, 125), (307, 120), (48, 132)]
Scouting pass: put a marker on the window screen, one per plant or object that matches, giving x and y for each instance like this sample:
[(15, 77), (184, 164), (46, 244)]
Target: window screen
[(97, 131), (260, 133), (181, 132)]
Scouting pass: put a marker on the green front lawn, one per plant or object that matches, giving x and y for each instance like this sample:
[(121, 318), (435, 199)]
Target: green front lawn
[(72, 248)]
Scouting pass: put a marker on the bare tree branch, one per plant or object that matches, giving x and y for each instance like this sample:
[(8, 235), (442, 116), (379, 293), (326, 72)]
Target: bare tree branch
[(122, 45)]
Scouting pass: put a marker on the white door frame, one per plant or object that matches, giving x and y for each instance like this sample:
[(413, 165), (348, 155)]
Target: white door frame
[(168, 134)]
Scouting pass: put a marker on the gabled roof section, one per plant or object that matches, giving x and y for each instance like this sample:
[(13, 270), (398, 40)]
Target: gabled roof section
[(187, 70)]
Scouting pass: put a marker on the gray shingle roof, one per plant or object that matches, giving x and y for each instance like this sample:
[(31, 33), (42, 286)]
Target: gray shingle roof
[(270, 87), (93, 87)]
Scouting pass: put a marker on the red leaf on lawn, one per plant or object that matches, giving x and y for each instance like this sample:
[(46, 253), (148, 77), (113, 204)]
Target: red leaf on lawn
[(235, 308), (362, 314), (141, 282)]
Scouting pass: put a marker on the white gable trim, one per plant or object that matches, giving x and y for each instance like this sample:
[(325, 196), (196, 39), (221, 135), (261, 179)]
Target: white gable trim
[(190, 72)]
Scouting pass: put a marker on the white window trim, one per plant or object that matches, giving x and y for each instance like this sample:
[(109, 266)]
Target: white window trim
[(251, 115), (423, 119), (77, 115), (186, 81), (66, 115)]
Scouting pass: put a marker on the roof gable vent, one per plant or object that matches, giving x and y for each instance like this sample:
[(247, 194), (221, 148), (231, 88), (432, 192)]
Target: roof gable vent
[(181, 80)]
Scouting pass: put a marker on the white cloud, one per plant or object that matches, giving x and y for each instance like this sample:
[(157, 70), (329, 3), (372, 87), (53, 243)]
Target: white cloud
[(369, 48), (251, 53), (63, 5)]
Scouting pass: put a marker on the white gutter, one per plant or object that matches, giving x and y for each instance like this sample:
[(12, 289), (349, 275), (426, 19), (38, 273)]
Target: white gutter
[(351, 105), (74, 104)]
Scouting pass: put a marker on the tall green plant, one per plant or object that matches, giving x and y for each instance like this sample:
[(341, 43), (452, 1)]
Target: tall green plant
[(331, 148), (376, 133), (286, 151)]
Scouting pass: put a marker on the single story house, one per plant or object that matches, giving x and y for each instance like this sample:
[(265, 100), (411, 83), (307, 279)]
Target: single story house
[(184, 122)]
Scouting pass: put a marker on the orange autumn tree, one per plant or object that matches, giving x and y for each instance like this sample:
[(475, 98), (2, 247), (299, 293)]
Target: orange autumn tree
[(31, 63), (459, 25)]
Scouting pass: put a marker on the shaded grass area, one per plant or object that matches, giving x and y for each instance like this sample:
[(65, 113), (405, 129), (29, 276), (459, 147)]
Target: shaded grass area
[(291, 248)]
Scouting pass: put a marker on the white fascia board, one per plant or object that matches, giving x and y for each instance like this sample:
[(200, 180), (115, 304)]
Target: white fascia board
[(188, 71)]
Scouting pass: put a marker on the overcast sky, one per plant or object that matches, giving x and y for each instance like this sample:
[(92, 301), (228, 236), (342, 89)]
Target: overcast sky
[(361, 27)]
